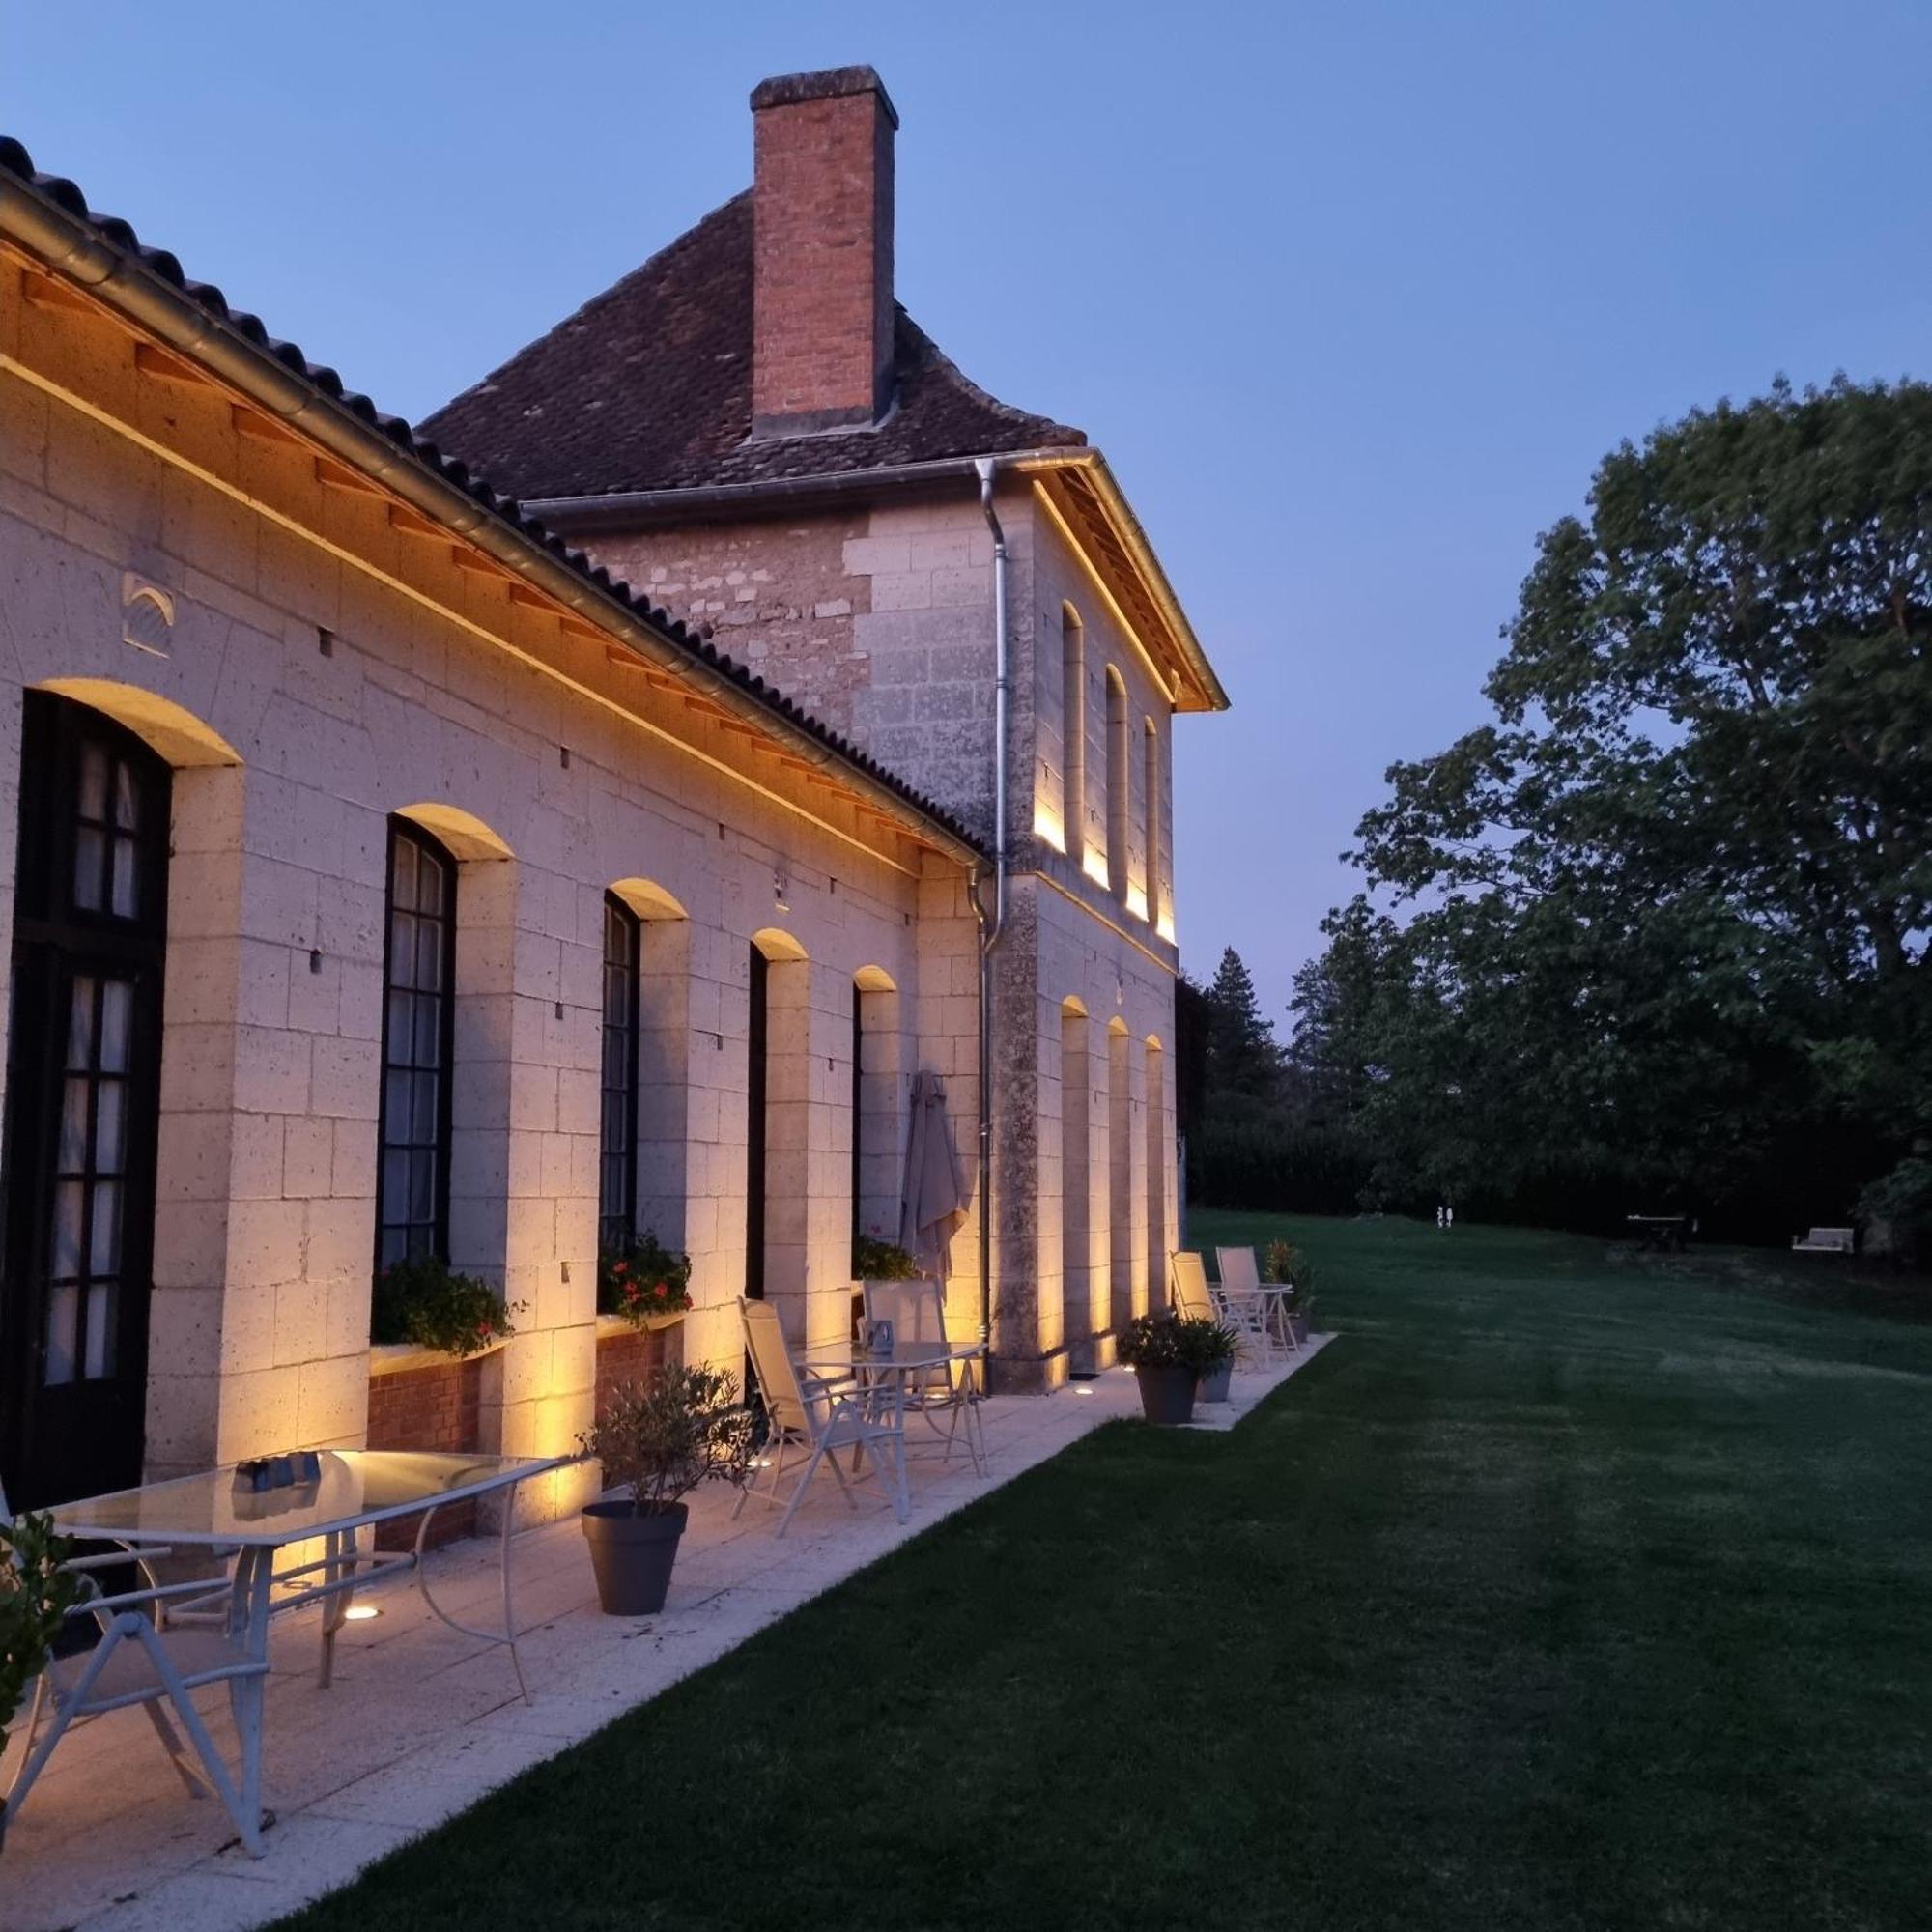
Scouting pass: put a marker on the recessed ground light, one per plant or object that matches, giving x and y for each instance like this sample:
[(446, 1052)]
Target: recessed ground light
[(360, 1613)]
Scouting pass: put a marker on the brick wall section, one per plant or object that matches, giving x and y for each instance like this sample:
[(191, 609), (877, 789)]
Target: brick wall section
[(435, 1408), (822, 275), (632, 1356)]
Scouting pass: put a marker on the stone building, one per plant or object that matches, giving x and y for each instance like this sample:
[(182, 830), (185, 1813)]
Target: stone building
[(392, 876), (751, 429)]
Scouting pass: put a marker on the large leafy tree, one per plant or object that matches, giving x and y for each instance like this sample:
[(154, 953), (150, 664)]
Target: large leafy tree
[(1665, 916)]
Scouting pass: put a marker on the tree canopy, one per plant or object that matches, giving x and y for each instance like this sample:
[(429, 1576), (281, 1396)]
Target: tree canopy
[(1662, 924)]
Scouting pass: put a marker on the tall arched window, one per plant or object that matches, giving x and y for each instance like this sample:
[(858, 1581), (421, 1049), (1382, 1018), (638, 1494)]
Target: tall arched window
[(420, 971), (1073, 728), (617, 1150), (1151, 773), (1117, 804)]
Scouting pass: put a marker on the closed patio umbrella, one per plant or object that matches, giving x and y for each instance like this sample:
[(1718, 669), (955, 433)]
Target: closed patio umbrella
[(935, 1192)]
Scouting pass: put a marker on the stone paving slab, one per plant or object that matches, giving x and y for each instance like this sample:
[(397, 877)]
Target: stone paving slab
[(422, 1722)]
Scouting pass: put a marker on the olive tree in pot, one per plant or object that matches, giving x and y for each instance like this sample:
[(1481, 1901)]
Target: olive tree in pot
[(36, 1595), (1161, 1353), (659, 1438)]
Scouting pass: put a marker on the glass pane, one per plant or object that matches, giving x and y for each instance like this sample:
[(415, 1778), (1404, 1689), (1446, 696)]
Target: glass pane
[(63, 1333), (126, 801), (429, 955), (103, 1304), (429, 1031), (66, 1252), (105, 1244), (422, 1187), (126, 901), (109, 1118), (80, 1027), (396, 1109), (400, 1007), (73, 1127), (429, 883), (117, 1012), (395, 1243), (93, 782), (395, 1184), (90, 860), (402, 872), (427, 1127), (402, 950)]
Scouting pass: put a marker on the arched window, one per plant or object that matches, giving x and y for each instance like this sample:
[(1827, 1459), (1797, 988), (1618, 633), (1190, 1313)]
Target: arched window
[(1150, 772), (420, 971), (1073, 728), (1117, 804), (617, 1125)]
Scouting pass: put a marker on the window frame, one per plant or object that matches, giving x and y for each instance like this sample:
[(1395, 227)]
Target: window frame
[(617, 1231), (404, 831)]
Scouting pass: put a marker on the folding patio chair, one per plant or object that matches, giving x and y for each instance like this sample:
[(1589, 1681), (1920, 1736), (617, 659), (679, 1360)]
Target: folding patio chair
[(1241, 1275), (1243, 1315), (917, 1311), (135, 1661), (807, 1412)]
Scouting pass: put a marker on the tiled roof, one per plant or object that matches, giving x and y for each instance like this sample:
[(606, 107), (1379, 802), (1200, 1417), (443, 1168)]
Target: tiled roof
[(119, 235), (648, 386)]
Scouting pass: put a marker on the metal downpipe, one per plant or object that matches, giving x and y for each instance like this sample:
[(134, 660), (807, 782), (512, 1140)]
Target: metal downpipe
[(992, 925)]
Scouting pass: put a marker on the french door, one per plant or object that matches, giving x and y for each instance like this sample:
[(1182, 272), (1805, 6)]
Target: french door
[(83, 1089)]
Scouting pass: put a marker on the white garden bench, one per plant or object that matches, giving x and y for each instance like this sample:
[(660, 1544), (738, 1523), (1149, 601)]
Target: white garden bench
[(1824, 1241)]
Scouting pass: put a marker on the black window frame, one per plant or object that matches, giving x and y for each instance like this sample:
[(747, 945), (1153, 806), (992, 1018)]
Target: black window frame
[(617, 1099), (403, 831)]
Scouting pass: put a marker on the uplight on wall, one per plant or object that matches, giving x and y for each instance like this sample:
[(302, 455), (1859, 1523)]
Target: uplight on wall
[(1164, 926), (1137, 900), (1094, 865), (1047, 827)]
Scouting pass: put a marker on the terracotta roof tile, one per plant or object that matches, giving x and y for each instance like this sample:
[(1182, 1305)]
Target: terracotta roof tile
[(648, 386)]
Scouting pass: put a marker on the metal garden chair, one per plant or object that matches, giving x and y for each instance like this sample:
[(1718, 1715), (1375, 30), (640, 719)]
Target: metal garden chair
[(135, 1661), (1244, 1314), (817, 1417), (1241, 1276)]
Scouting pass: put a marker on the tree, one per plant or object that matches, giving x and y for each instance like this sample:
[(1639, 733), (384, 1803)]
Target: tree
[(1669, 910), (1242, 1056)]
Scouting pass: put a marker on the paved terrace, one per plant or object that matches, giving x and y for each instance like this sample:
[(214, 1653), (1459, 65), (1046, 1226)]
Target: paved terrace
[(422, 1722)]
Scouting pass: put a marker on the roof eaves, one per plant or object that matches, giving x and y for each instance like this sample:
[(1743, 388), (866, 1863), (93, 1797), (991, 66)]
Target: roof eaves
[(91, 248)]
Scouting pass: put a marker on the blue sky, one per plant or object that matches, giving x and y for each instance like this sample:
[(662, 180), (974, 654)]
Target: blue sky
[(1353, 296)]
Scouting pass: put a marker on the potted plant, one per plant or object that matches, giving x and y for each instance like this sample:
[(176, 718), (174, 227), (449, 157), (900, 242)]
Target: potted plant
[(1161, 1356), (876, 1259), (36, 1594), (1286, 1262), (658, 1440), (1212, 1349), (643, 1282), (425, 1301)]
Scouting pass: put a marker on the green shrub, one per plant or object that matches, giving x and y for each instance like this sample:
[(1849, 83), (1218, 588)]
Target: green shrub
[(1157, 1341), (36, 1595), (878, 1260), (426, 1301), (660, 1437), (643, 1280)]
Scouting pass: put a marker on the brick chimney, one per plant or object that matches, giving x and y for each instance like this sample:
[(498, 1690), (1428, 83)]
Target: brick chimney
[(822, 275)]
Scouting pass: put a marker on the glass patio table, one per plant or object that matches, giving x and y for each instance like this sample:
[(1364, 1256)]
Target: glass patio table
[(893, 1371), (354, 1489)]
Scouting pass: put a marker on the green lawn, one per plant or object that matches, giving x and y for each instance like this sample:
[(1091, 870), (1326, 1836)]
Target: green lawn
[(1558, 1593)]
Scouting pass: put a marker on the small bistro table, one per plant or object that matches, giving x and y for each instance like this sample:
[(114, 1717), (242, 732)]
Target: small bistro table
[(889, 1370), (356, 1489)]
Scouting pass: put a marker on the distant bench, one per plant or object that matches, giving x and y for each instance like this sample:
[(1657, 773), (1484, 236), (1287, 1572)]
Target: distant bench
[(1824, 1241)]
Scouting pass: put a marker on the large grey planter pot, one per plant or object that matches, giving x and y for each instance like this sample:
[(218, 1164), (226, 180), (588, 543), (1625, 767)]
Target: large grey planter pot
[(631, 1555), (1167, 1395), (1214, 1382), (1297, 1327)]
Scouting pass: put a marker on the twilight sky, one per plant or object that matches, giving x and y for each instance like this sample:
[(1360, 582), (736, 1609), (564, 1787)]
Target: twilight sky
[(1354, 295)]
